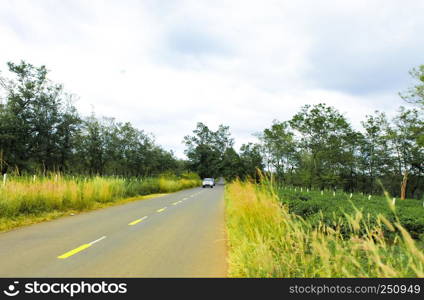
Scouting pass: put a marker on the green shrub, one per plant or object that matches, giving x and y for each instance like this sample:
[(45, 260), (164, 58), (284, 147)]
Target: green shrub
[(326, 208)]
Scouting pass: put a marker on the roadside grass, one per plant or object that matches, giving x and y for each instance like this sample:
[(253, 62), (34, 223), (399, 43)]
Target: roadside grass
[(266, 240), (29, 200)]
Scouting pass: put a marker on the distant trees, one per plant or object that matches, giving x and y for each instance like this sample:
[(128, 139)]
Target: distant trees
[(251, 161), (319, 148), (41, 131), (211, 154), (205, 149)]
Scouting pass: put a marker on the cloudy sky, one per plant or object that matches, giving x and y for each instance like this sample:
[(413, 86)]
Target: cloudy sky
[(165, 65)]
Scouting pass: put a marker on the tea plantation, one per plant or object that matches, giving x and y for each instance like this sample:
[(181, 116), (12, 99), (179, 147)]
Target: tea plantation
[(333, 209)]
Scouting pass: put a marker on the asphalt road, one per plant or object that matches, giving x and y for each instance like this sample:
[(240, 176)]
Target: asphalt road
[(177, 235)]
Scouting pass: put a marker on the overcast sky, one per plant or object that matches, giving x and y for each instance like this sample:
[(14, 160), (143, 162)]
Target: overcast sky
[(165, 65)]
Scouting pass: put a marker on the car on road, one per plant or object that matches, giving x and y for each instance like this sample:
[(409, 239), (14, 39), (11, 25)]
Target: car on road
[(208, 182)]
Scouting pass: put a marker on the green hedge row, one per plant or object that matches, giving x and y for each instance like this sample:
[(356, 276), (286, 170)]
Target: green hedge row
[(332, 210)]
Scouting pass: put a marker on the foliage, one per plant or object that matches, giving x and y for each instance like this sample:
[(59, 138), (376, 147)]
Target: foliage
[(318, 148), (416, 93), (211, 154), (266, 240), (41, 131), (326, 206), (205, 149)]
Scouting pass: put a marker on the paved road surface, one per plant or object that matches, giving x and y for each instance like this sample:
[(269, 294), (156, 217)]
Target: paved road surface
[(177, 235)]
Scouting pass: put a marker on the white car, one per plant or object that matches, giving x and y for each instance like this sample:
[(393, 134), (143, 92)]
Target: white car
[(208, 182)]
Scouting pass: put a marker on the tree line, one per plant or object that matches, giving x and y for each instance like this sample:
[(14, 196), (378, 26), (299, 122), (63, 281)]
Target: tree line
[(319, 148), (41, 131), (211, 154)]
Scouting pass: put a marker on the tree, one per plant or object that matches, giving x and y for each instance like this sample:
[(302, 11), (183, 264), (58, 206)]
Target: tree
[(34, 119), (232, 165), (351, 158), (416, 93), (68, 127), (278, 142), (41, 130), (323, 135), (408, 125), (375, 157), (205, 149), (251, 161), (92, 146)]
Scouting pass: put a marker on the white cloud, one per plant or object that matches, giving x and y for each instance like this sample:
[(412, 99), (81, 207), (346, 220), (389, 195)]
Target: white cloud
[(165, 65)]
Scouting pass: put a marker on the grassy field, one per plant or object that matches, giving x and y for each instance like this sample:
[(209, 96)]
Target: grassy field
[(27, 200), (266, 239)]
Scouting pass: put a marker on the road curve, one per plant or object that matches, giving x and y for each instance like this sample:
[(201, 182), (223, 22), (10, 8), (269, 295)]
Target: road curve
[(177, 235)]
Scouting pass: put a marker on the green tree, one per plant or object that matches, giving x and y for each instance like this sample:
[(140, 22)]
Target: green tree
[(375, 150), (280, 147), (232, 165), (34, 118), (92, 146), (205, 149), (251, 161), (409, 154), (416, 93), (323, 134), (41, 130)]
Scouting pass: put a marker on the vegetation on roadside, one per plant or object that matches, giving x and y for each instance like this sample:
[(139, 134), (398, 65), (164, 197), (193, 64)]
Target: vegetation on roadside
[(29, 199), (267, 240)]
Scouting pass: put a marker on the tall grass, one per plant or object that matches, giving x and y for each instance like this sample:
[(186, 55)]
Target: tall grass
[(265, 240), (22, 196)]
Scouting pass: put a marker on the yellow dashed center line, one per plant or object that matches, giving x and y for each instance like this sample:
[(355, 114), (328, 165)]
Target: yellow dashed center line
[(137, 221), (80, 248), (85, 246), (74, 251)]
